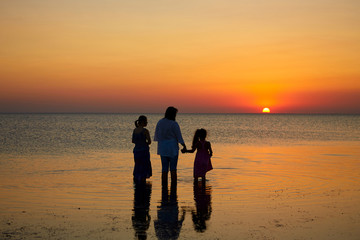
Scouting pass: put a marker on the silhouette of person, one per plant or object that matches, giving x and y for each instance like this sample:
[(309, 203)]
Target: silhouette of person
[(202, 197), (168, 136), (141, 217), (141, 139), (202, 163), (168, 225)]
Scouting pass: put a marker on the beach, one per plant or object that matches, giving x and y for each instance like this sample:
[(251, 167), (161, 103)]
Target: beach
[(282, 189)]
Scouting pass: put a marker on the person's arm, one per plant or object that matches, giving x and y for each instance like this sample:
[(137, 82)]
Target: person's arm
[(184, 150), (210, 149), (184, 146), (176, 130), (147, 136), (179, 136), (192, 150)]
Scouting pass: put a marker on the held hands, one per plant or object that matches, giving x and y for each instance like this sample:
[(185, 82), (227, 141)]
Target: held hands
[(184, 149)]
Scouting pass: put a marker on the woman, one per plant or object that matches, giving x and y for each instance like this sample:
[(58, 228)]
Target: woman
[(168, 136)]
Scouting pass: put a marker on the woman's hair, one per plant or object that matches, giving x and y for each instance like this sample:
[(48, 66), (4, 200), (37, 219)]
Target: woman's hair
[(171, 113), (142, 119), (200, 134)]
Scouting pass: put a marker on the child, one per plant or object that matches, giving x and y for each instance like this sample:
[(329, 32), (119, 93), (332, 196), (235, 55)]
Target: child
[(202, 163), (142, 140)]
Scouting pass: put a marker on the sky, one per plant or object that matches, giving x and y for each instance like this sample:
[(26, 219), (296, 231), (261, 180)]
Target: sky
[(201, 56)]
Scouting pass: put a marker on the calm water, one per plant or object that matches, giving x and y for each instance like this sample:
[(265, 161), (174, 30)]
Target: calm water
[(69, 176), (64, 134)]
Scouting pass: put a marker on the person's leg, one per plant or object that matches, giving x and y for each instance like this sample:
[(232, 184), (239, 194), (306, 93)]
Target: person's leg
[(165, 161), (203, 180), (196, 180), (164, 179), (173, 177), (173, 192), (173, 167)]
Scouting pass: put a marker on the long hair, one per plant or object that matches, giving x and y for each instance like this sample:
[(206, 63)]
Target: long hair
[(171, 113), (200, 134), (141, 119)]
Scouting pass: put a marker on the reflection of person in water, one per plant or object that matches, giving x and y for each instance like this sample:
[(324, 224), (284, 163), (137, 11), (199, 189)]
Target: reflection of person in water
[(168, 224), (141, 217), (202, 197)]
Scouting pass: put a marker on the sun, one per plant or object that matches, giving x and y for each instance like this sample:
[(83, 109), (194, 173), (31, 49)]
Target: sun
[(266, 110)]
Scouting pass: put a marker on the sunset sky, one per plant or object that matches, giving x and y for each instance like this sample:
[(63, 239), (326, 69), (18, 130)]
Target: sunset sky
[(236, 56)]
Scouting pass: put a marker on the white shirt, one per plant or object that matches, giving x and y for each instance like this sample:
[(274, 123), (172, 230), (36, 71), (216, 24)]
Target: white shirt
[(168, 136)]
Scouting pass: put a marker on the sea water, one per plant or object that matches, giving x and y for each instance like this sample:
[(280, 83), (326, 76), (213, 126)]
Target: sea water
[(275, 176)]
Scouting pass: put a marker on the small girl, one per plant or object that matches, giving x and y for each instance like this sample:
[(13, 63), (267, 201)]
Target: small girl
[(142, 140), (202, 163)]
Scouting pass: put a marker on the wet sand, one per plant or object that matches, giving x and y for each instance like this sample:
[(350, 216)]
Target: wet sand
[(269, 192)]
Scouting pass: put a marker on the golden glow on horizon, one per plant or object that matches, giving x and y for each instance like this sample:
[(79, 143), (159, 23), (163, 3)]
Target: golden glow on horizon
[(223, 57), (266, 110)]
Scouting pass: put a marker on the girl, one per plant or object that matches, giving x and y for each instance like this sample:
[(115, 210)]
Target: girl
[(142, 140), (202, 163)]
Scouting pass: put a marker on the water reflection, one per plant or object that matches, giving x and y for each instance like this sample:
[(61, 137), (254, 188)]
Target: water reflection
[(168, 224), (202, 197), (141, 217)]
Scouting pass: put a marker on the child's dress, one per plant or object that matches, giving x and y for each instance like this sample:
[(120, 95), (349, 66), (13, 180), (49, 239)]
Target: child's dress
[(202, 163), (141, 152)]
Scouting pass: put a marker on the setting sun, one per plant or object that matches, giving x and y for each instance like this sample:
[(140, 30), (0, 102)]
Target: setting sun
[(48, 68), (266, 110)]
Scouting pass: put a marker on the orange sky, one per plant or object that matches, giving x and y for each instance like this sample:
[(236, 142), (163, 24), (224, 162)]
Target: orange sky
[(297, 56)]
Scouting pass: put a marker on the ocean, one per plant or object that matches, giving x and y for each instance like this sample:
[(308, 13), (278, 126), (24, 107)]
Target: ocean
[(275, 176)]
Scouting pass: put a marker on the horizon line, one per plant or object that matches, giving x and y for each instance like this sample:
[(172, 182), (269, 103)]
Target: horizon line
[(260, 113)]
